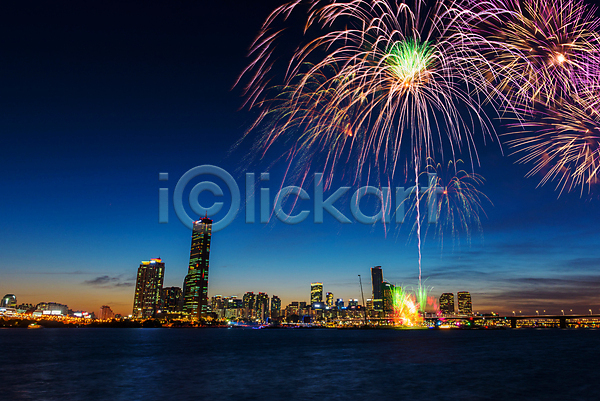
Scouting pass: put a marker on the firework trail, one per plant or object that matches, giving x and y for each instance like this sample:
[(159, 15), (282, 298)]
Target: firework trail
[(384, 91), (454, 196)]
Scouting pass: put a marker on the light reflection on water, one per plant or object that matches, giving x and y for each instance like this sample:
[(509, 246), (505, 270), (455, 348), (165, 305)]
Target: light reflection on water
[(226, 364)]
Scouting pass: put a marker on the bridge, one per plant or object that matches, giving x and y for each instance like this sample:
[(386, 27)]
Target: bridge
[(562, 319)]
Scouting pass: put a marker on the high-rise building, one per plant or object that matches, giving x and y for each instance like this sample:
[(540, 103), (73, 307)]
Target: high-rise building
[(248, 303), (329, 299), (447, 303), (377, 286), (388, 296), (171, 299), (261, 306), (464, 303), (148, 287), (9, 301), (316, 293), (216, 302), (275, 307), (106, 313), (195, 285), (339, 303)]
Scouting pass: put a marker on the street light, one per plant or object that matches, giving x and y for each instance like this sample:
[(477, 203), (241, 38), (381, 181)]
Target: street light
[(514, 313), (537, 312), (590, 311), (563, 312)]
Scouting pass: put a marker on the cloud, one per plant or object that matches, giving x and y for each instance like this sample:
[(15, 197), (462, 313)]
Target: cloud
[(108, 282)]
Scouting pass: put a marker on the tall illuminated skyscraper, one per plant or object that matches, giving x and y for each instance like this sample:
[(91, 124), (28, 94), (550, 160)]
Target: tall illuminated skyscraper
[(171, 299), (148, 287), (377, 285), (329, 299), (388, 296), (447, 303), (262, 306), (464, 303), (248, 304), (195, 285), (316, 293), (275, 307)]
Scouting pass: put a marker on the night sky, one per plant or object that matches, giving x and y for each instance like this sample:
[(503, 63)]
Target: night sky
[(96, 99)]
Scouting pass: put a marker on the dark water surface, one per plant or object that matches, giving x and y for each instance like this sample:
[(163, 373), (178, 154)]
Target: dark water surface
[(228, 364)]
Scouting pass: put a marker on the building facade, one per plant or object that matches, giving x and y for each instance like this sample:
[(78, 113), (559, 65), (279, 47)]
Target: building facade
[(171, 300), (377, 286), (195, 285), (261, 307), (465, 307), (248, 304), (148, 287), (106, 312), (316, 293), (447, 303), (275, 307), (329, 299), (9, 301), (388, 297)]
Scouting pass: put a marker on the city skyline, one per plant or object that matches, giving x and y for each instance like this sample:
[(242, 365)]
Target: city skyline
[(107, 102)]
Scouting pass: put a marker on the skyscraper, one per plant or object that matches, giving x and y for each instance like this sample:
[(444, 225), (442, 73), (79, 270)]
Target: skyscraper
[(275, 307), (329, 299), (248, 303), (262, 306), (388, 296), (171, 299), (464, 303), (377, 285), (316, 293), (447, 303), (148, 287), (195, 285)]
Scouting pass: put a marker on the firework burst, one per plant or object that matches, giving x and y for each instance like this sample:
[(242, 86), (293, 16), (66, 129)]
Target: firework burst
[(537, 47), (562, 141), (409, 306), (383, 91)]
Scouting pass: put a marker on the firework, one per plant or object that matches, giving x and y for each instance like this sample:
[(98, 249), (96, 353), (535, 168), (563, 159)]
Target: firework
[(459, 205), (384, 91), (562, 141), (537, 46), (409, 306), (406, 311)]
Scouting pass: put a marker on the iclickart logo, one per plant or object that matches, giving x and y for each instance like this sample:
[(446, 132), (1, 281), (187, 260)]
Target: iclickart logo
[(390, 199)]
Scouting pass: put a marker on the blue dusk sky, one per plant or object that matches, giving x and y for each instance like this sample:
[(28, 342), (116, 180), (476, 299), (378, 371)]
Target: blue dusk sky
[(97, 99)]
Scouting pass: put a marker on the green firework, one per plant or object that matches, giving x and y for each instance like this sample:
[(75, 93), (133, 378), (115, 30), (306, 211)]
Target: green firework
[(408, 59)]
